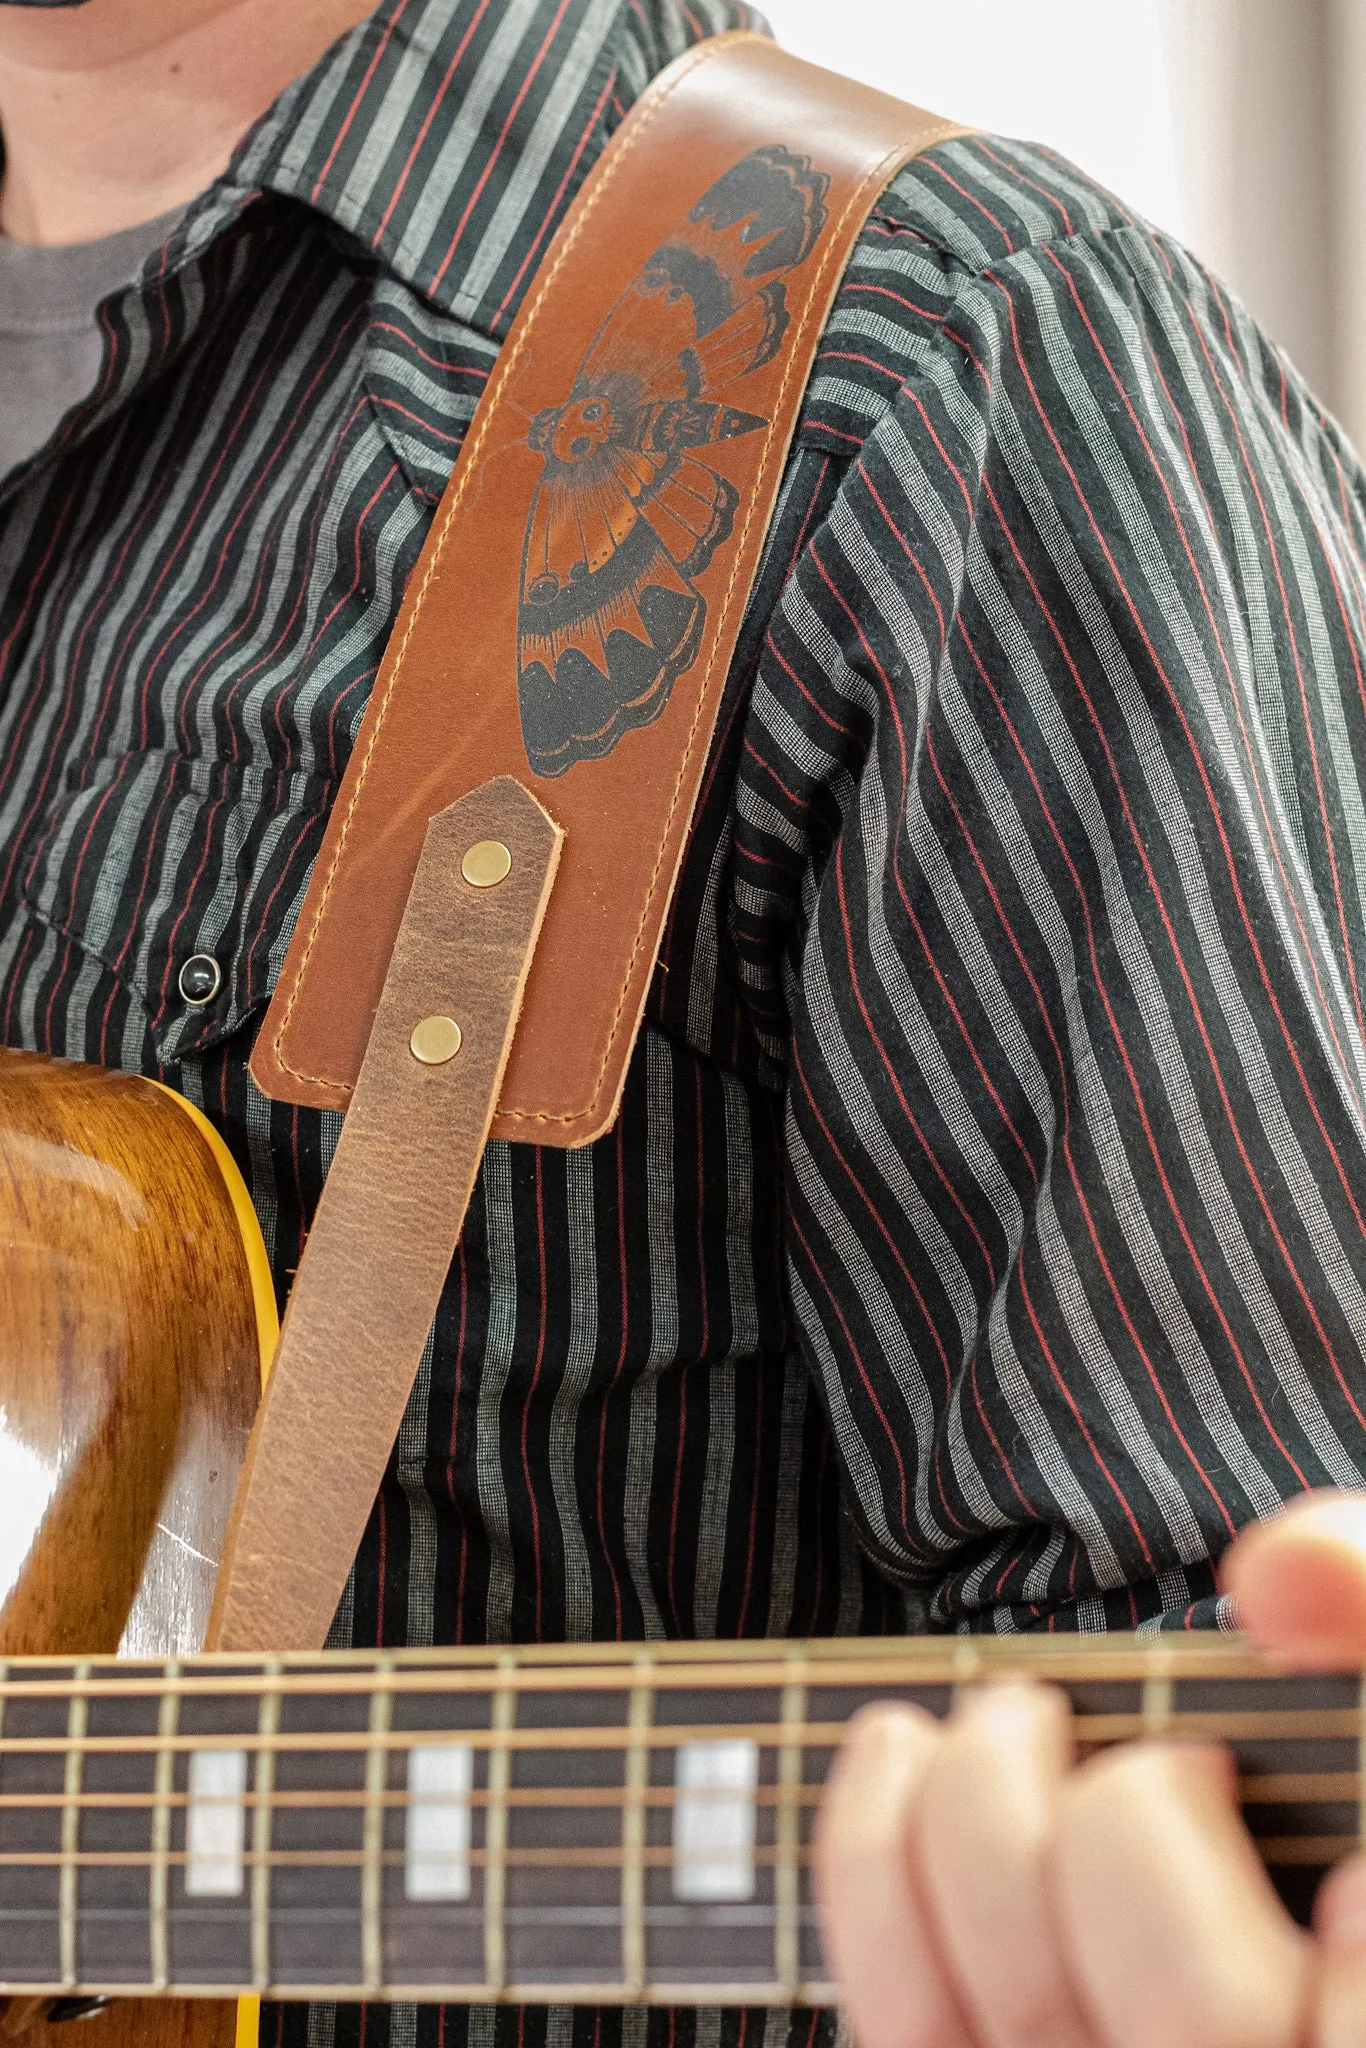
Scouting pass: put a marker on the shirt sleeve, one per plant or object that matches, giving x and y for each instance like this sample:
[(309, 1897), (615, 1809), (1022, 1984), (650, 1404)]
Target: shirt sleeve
[(1052, 831)]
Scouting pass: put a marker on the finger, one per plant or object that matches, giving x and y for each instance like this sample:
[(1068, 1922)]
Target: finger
[(894, 1989), (1300, 1580), (1174, 1935), (1340, 1922), (983, 1837)]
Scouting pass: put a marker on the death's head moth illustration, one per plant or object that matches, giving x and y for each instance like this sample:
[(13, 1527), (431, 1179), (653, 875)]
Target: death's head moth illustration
[(629, 510)]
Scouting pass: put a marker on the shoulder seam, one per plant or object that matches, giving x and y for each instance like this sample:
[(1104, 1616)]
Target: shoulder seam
[(1061, 237)]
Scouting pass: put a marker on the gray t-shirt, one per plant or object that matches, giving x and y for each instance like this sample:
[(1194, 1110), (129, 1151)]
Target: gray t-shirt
[(49, 339)]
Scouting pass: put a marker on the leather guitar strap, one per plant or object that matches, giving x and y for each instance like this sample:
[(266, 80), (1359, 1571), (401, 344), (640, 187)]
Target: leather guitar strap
[(549, 692)]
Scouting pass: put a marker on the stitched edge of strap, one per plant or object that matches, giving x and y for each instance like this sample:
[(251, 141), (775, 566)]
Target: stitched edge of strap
[(837, 253), (704, 53)]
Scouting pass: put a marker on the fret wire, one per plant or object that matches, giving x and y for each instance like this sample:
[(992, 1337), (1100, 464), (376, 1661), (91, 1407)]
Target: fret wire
[(503, 1718), (1224, 1725), (372, 1874), (168, 1717), (77, 1720), (966, 1668), (634, 1807), (786, 1881), (268, 1729), (1158, 1697)]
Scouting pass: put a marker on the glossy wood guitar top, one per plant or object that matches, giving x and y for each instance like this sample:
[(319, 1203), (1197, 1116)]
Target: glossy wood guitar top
[(135, 1311)]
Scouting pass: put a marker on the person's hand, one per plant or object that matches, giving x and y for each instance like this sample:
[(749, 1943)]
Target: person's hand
[(981, 1890)]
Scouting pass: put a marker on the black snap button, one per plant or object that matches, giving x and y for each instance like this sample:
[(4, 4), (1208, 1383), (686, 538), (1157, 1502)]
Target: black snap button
[(200, 980)]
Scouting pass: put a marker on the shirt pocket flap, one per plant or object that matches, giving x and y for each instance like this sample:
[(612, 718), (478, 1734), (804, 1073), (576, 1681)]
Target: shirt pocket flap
[(145, 860)]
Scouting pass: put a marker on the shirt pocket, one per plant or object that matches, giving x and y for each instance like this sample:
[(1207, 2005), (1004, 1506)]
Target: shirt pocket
[(147, 859)]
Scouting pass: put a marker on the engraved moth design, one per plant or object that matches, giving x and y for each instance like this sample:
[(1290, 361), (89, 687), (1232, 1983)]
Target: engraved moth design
[(629, 511)]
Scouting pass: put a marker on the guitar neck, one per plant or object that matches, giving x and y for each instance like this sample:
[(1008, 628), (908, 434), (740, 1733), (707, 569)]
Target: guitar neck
[(559, 1825)]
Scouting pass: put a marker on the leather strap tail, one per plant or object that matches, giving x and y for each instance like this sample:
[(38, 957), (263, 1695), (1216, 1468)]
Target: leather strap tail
[(387, 1226)]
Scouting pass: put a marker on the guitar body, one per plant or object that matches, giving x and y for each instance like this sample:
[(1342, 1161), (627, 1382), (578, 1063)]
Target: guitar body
[(135, 1316), (137, 2023)]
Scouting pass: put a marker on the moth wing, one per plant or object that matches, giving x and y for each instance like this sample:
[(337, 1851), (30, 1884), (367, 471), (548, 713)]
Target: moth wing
[(610, 615), (599, 656), (710, 306), (579, 517), (640, 355)]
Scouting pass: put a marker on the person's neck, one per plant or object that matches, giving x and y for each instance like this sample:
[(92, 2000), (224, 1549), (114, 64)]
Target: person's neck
[(120, 111)]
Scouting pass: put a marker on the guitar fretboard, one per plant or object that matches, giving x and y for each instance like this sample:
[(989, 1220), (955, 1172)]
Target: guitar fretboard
[(550, 1825)]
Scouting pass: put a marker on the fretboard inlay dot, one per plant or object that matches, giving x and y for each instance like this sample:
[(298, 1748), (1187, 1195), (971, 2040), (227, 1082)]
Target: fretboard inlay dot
[(714, 1820), (437, 1848), (216, 1824)]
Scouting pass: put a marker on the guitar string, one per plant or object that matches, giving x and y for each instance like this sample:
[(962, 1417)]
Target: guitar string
[(590, 1856), (303, 1683), (309, 1683), (1321, 1848), (225, 1681), (1270, 1724), (1290, 1788), (553, 1797)]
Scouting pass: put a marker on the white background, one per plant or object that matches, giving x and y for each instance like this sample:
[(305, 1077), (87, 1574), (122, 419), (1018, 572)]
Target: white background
[(1085, 76)]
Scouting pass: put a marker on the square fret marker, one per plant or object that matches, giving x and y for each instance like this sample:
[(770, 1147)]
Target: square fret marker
[(437, 1858), (215, 1824), (714, 1783)]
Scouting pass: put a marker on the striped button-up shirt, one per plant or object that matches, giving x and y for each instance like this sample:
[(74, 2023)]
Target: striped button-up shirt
[(980, 1243)]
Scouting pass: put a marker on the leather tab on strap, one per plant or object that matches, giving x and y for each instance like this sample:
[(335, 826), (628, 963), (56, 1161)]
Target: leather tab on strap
[(391, 1213)]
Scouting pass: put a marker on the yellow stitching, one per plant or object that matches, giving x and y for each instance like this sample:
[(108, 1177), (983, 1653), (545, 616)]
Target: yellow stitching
[(703, 55), (837, 251)]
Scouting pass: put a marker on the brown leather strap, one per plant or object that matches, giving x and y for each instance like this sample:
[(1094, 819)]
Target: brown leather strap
[(577, 606), (570, 625), (391, 1212)]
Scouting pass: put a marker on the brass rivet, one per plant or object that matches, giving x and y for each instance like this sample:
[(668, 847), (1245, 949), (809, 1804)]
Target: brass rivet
[(435, 1040), (486, 864)]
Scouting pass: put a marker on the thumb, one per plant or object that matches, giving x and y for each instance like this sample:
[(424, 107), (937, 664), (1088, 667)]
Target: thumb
[(1299, 1580)]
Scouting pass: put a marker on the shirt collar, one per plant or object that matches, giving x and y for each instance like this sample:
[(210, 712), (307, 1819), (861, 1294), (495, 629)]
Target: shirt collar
[(448, 136)]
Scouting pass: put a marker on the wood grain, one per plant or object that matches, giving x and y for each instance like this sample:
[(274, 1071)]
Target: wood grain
[(129, 1376), (133, 2023)]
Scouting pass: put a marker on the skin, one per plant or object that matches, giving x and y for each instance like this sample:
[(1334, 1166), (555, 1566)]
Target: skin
[(980, 1889), (120, 110)]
